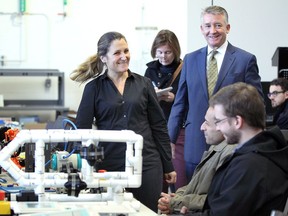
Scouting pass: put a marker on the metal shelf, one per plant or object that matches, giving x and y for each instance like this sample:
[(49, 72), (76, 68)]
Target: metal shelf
[(20, 104)]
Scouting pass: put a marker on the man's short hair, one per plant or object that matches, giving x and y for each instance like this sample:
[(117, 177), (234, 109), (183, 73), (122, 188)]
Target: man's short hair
[(215, 10), (283, 82), (243, 100)]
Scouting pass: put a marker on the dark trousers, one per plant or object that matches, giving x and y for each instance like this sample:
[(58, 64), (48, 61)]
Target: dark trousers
[(190, 168), (179, 165), (151, 187), (179, 162)]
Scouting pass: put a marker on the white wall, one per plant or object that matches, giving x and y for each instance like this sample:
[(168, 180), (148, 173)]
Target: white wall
[(43, 39), (257, 26)]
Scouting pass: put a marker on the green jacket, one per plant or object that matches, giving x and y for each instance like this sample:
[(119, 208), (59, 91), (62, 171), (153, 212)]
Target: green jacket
[(194, 194)]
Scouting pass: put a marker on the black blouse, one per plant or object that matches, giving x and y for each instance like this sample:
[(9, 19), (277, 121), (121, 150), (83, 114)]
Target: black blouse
[(137, 110), (162, 77)]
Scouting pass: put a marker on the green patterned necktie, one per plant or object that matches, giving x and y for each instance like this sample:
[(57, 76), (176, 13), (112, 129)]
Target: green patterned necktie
[(212, 73)]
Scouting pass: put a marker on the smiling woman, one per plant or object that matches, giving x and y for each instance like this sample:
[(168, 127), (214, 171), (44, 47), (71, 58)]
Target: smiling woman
[(122, 100)]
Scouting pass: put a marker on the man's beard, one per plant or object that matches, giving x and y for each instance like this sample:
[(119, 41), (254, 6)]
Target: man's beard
[(233, 137)]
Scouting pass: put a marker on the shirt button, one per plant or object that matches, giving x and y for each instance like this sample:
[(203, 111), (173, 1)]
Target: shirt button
[(124, 116), (123, 102)]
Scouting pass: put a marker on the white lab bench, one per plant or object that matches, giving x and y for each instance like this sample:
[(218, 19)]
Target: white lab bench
[(109, 208)]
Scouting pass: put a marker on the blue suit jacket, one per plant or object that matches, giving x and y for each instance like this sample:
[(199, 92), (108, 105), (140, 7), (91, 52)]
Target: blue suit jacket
[(238, 66)]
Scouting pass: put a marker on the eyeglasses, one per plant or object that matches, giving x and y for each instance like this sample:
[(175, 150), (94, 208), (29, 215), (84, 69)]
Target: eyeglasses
[(216, 122), (166, 53), (274, 93)]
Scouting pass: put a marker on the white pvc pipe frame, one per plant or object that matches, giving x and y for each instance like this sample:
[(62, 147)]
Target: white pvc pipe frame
[(39, 180)]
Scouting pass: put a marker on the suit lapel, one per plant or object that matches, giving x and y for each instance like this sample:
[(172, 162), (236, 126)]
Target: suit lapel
[(201, 58), (226, 64)]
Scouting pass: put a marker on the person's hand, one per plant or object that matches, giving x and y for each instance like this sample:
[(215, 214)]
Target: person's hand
[(169, 97), (184, 210), (173, 150), (171, 177), (164, 203)]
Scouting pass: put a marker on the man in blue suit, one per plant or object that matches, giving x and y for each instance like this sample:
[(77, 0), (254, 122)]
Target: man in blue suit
[(233, 65)]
